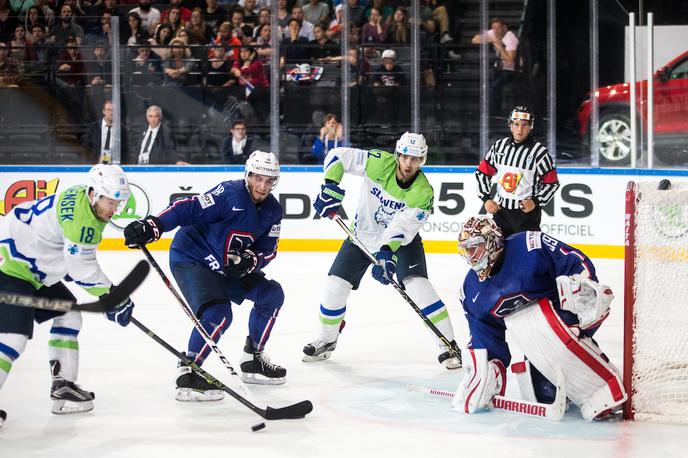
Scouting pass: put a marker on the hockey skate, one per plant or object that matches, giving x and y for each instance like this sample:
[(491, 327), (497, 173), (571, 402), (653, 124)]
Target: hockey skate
[(191, 387), (68, 397), (449, 361), (256, 367), (318, 350)]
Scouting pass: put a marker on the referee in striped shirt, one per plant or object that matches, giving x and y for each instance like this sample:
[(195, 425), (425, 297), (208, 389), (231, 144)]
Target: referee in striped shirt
[(525, 175)]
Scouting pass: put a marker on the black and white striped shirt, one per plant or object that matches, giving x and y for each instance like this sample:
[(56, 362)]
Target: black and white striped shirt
[(521, 170)]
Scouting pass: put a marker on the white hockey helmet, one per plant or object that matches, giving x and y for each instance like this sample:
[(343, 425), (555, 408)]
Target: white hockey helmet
[(480, 244), (262, 163), (108, 180), (412, 145)]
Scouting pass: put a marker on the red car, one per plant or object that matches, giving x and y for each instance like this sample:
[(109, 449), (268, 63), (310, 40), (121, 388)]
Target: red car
[(670, 116)]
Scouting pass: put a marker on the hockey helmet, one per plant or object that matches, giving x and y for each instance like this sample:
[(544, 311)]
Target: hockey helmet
[(480, 243), (262, 163), (521, 112), (412, 145), (108, 180)]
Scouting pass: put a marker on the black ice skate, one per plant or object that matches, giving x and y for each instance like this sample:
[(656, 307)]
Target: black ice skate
[(68, 397), (256, 367), (191, 387), (448, 360), (318, 350)]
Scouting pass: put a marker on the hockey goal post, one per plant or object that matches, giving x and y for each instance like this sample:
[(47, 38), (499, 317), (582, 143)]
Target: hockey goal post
[(656, 301)]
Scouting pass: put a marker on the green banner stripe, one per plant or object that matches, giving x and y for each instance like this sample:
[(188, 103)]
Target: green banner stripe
[(5, 365), (330, 320), (437, 318), (68, 344)]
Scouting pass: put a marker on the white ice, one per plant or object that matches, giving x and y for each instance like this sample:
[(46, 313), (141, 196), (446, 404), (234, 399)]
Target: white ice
[(362, 407)]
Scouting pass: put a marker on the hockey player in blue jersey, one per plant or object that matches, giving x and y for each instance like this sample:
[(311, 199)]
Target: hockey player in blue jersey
[(226, 237), (547, 295)]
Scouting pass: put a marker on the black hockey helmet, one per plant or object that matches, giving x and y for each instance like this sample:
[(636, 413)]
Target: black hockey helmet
[(522, 112)]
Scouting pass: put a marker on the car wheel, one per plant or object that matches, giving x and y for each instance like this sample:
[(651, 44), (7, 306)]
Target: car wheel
[(614, 139)]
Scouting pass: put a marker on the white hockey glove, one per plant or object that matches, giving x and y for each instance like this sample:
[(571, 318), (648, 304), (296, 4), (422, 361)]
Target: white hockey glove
[(482, 381), (586, 298)]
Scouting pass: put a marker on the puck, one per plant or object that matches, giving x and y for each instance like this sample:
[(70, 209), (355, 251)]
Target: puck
[(664, 185), (257, 427)]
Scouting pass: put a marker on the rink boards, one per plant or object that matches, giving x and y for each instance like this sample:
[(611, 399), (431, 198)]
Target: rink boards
[(587, 211)]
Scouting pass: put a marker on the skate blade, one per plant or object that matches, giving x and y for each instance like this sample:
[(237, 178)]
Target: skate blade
[(189, 395), (257, 379), (451, 364), (320, 357), (63, 407)]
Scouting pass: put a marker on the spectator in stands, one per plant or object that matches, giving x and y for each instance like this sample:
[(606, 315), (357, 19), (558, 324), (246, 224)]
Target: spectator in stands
[(43, 50), (156, 145), (322, 47), (228, 40), (199, 32), (383, 10), (185, 12), (20, 48), (101, 31), (237, 147), (8, 21), (34, 16), (147, 68), (177, 68), (263, 48), (263, 18), (65, 27), (316, 11), (218, 74), (161, 40), (240, 29), (214, 15), (250, 13), (174, 19), (150, 16), (331, 136), (137, 32), (357, 13), (99, 66), (358, 68), (400, 31), (436, 11), (306, 29), (293, 49), (334, 29), (98, 142), (48, 13), (250, 75), (11, 72), (283, 16), (389, 73), (374, 32), (71, 70), (505, 44)]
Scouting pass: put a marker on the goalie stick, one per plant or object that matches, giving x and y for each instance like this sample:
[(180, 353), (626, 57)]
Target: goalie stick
[(553, 412), (298, 410), (105, 303), (244, 395), (453, 348)]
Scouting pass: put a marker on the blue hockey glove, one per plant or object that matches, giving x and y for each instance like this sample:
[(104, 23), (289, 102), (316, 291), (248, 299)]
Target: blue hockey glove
[(121, 313), (329, 200), (142, 231), (386, 265), (241, 263)]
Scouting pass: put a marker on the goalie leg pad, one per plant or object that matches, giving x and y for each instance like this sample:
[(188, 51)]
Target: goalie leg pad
[(11, 347), (548, 343), (333, 307), (483, 380), (63, 346)]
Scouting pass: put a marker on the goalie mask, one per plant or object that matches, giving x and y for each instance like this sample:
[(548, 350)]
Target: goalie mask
[(480, 244)]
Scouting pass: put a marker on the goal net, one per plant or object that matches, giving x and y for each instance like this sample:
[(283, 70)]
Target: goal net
[(656, 301)]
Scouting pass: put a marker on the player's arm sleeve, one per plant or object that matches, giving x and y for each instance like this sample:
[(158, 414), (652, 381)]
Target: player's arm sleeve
[(488, 334), (406, 223), (344, 160), (560, 258), (266, 245), (546, 179), (484, 173), (203, 208)]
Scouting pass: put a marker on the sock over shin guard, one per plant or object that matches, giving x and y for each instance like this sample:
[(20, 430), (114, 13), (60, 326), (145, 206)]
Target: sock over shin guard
[(215, 319), (333, 307), (63, 346)]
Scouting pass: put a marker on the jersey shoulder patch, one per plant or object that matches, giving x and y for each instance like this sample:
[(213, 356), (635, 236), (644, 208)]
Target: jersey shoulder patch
[(275, 230), (206, 200), (533, 240)]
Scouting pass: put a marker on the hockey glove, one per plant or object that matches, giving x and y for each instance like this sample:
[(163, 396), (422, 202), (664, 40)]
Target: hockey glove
[(586, 298), (386, 265), (241, 263), (329, 200), (142, 231), (121, 313)]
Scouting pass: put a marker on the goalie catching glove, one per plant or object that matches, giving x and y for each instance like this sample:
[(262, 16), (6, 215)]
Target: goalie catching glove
[(241, 263), (586, 298)]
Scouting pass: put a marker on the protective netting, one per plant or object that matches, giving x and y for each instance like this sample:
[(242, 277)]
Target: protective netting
[(660, 342)]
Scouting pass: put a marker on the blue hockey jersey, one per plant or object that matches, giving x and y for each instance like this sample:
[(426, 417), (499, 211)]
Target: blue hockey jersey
[(530, 263), (223, 219)]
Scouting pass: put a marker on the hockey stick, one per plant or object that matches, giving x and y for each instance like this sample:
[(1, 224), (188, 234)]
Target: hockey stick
[(553, 412), (298, 410), (105, 303), (453, 348)]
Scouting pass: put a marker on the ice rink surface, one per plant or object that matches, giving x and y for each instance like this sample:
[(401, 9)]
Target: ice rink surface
[(362, 407)]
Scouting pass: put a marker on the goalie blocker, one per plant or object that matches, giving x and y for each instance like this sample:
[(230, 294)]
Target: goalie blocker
[(591, 382)]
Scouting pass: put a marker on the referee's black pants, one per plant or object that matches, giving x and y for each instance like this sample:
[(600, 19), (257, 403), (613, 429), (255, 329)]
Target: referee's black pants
[(512, 221)]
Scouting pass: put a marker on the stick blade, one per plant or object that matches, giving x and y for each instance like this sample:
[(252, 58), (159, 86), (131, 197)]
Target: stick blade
[(298, 410)]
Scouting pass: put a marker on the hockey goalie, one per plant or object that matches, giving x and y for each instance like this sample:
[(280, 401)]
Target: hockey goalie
[(547, 295)]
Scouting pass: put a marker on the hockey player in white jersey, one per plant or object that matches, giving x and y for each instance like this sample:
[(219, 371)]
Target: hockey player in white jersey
[(42, 244), (396, 199)]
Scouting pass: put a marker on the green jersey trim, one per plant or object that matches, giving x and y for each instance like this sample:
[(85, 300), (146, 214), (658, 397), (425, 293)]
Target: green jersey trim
[(381, 168), (77, 219)]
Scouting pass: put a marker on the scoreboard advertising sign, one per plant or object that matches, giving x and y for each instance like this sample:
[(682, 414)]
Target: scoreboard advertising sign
[(587, 210)]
